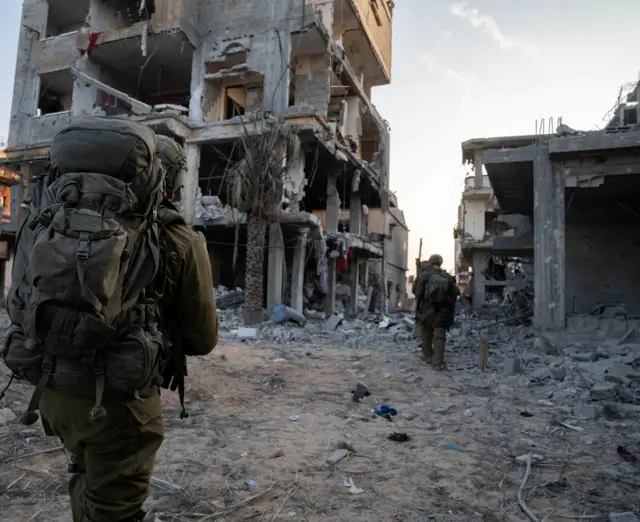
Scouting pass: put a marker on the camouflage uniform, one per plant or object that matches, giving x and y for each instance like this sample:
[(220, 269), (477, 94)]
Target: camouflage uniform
[(112, 459), (434, 320)]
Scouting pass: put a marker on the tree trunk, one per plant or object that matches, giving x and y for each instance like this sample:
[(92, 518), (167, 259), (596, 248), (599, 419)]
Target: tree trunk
[(254, 294)]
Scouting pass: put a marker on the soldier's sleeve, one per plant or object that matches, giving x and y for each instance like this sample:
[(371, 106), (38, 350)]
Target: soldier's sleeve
[(196, 307), (419, 289)]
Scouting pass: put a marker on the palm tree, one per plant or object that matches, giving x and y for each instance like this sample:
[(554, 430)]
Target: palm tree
[(256, 187)]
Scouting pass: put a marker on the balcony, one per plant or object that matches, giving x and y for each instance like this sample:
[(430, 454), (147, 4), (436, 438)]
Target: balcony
[(364, 28)]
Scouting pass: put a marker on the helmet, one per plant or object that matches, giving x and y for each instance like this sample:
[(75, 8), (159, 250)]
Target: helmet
[(172, 157), (435, 260)]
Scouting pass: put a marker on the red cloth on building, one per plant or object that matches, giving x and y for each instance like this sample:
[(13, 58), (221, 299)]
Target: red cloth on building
[(341, 265)]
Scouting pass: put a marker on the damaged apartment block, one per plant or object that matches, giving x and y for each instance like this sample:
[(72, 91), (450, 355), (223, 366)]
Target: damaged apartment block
[(220, 77), (579, 192)]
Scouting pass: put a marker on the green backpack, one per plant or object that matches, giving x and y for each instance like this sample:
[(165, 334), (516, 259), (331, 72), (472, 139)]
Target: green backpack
[(437, 288), (84, 294)]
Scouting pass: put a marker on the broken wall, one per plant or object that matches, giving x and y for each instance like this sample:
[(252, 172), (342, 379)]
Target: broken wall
[(474, 224), (602, 267)]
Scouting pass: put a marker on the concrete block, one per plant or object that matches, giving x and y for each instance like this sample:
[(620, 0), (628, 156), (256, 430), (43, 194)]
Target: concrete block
[(584, 356), (587, 411), (337, 456), (541, 374), (512, 366), (246, 333), (604, 392), (559, 372), (333, 322)]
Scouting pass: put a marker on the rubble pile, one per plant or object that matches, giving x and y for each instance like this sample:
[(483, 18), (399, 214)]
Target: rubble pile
[(578, 374)]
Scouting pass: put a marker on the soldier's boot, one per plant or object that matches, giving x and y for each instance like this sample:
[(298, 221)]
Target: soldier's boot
[(439, 341), (427, 343)]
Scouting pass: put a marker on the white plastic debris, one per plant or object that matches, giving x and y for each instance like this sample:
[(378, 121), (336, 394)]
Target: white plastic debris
[(353, 489)]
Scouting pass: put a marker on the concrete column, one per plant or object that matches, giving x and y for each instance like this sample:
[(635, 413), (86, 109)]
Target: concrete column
[(85, 95), (355, 214), (277, 77), (196, 101), (355, 287), (297, 271), (295, 179), (26, 84), (479, 264), (549, 247), (189, 180), (384, 207), (477, 168), (332, 213), (275, 266), (333, 203)]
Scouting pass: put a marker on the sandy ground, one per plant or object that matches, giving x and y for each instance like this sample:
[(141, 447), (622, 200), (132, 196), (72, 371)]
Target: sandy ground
[(240, 398)]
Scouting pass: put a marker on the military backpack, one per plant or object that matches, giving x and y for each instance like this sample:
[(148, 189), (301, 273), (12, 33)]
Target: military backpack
[(85, 290)]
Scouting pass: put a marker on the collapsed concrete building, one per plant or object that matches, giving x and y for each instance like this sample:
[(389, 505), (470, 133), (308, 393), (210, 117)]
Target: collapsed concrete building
[(211, 73), (575, 195)]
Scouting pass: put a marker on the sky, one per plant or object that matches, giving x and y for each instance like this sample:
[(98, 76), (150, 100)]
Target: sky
[(470, 69)]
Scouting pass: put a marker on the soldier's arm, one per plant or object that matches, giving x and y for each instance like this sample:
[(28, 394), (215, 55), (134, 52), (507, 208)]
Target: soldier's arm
[(419, 289), (195, 306)]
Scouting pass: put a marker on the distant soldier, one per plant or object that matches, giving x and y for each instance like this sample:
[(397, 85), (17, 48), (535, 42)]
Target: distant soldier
[(436, 294)]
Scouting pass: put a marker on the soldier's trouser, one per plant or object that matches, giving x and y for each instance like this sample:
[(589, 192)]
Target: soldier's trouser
[(112, 457), (434, 338), (439, 342), (427, 331)]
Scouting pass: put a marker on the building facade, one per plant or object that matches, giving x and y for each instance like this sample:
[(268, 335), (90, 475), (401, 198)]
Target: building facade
[(209, 74)]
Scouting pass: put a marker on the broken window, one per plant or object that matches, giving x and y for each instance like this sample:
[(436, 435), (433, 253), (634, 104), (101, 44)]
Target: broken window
[(56, 92), (231, 88), (64, 16), (128, 12), (235, 101)]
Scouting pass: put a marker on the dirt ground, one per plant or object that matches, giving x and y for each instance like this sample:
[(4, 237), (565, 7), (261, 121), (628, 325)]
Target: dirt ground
[(459, 465)]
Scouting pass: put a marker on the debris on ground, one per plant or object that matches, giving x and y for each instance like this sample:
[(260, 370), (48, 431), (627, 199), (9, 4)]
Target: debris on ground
[(563, 395)]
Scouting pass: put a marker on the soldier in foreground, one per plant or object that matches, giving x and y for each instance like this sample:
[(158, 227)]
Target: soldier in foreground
[(436, 294), (110, 292)]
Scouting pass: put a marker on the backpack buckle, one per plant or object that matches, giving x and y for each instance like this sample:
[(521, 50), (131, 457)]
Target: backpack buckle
[(82, 249)]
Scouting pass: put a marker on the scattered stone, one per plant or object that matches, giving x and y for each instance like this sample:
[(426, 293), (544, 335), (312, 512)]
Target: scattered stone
[(587, 411), (333, 321), (7, 416), (531, 358), (584, 356), (337, 456), (408, 416), (603, 392), (559, 372), (523, 459), (244, 333), (541, 374), (512, 366), (542, 345), (621, 374)]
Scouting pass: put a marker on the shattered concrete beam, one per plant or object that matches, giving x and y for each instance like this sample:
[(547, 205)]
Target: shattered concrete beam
[(594, 141), (136, 105), (518, 155), (229, 130)]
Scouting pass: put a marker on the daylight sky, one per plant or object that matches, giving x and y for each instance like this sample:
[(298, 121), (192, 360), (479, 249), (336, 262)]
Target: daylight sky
[(465, 69)]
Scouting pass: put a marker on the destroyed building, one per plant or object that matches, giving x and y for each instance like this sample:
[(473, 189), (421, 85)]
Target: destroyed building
[(579, 192), (211, 73)]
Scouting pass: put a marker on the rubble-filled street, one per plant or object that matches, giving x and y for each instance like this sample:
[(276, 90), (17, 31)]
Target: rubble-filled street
[(274, 432)]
